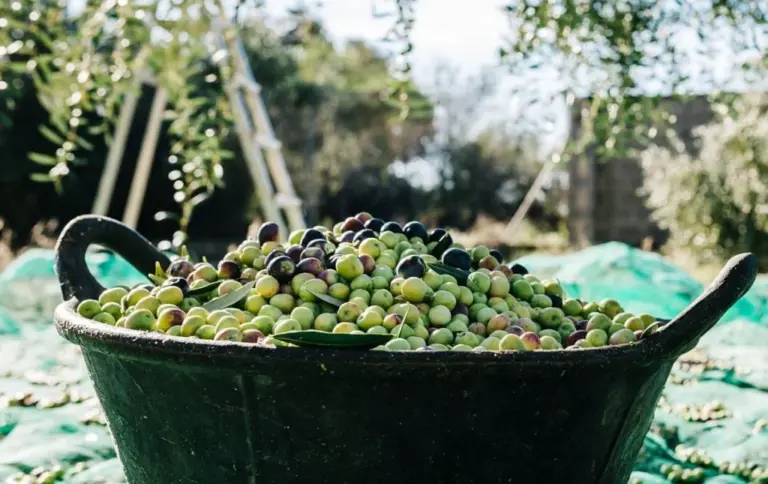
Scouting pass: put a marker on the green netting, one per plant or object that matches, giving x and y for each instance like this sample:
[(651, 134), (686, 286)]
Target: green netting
[(49, 416), (642, 281)]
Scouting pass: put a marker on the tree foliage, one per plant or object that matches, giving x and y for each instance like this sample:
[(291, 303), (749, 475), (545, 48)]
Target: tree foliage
[(346, 123), (715, 201), (333, 109), (483, 167), (350, 113), (330, 108), (623, 54)]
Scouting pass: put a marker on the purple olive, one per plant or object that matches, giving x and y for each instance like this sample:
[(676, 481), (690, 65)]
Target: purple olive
[(514, 329), (460, 308), (272, 256), (252, 336), (229, 270), (531, 341), (329, 276), (575, 336), (557, 301), (294, 252), (180, 268), (352, 224), (313, 252), (268, 232), (363, 217), (311, 265), (310, 235), (374, 224), (392, 227), (478, 328), (282, 268), (364, 234), (170, 317), (416, 229), (505, 270), (411, 266), (369, 264), (321, 244), (347, 236), (436, 235), (179, 282), (488, 262), (582, 325), (518, 269)]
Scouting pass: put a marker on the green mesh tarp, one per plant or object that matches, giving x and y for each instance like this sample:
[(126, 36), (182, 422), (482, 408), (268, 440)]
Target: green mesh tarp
[(715, 401)]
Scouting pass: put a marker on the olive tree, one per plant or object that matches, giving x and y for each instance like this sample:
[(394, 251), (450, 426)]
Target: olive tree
[(715, 201), (83, 64)]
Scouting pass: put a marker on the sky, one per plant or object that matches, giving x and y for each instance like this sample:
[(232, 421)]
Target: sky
[(466, 33)]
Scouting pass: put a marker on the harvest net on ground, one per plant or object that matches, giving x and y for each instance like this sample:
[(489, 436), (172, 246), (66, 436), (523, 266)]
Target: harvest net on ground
[(716, 399)]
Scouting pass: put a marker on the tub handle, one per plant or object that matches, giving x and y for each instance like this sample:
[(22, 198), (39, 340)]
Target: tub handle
[(683, 332), (69, 261)]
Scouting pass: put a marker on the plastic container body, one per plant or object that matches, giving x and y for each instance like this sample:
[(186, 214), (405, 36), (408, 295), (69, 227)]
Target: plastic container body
[(191, 411)]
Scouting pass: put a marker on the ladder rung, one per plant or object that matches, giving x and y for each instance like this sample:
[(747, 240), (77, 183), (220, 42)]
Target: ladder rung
[(248, 84), (285, 200), (267, 142)]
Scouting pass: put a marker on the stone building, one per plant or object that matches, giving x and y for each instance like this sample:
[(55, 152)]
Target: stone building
[(603, 200)]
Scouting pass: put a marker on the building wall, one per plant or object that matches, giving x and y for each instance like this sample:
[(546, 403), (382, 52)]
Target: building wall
[(604, 204), (620, 212)]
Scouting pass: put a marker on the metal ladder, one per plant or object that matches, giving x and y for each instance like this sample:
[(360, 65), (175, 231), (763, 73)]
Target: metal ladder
[(271, 179)]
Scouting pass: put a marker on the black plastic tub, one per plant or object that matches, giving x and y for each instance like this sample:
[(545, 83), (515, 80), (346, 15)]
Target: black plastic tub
[(194, 411)]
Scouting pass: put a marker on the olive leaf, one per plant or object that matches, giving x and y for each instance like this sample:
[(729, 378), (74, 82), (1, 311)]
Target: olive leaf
[(158, 280), (402, 323), (159, 271), (183, 253), (230, 299), (326, 298), (460, 275), (312, 338), (204, 289)]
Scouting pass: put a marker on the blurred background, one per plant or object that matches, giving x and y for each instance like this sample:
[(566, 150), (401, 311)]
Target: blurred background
[(618, 146), (640, 122)]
